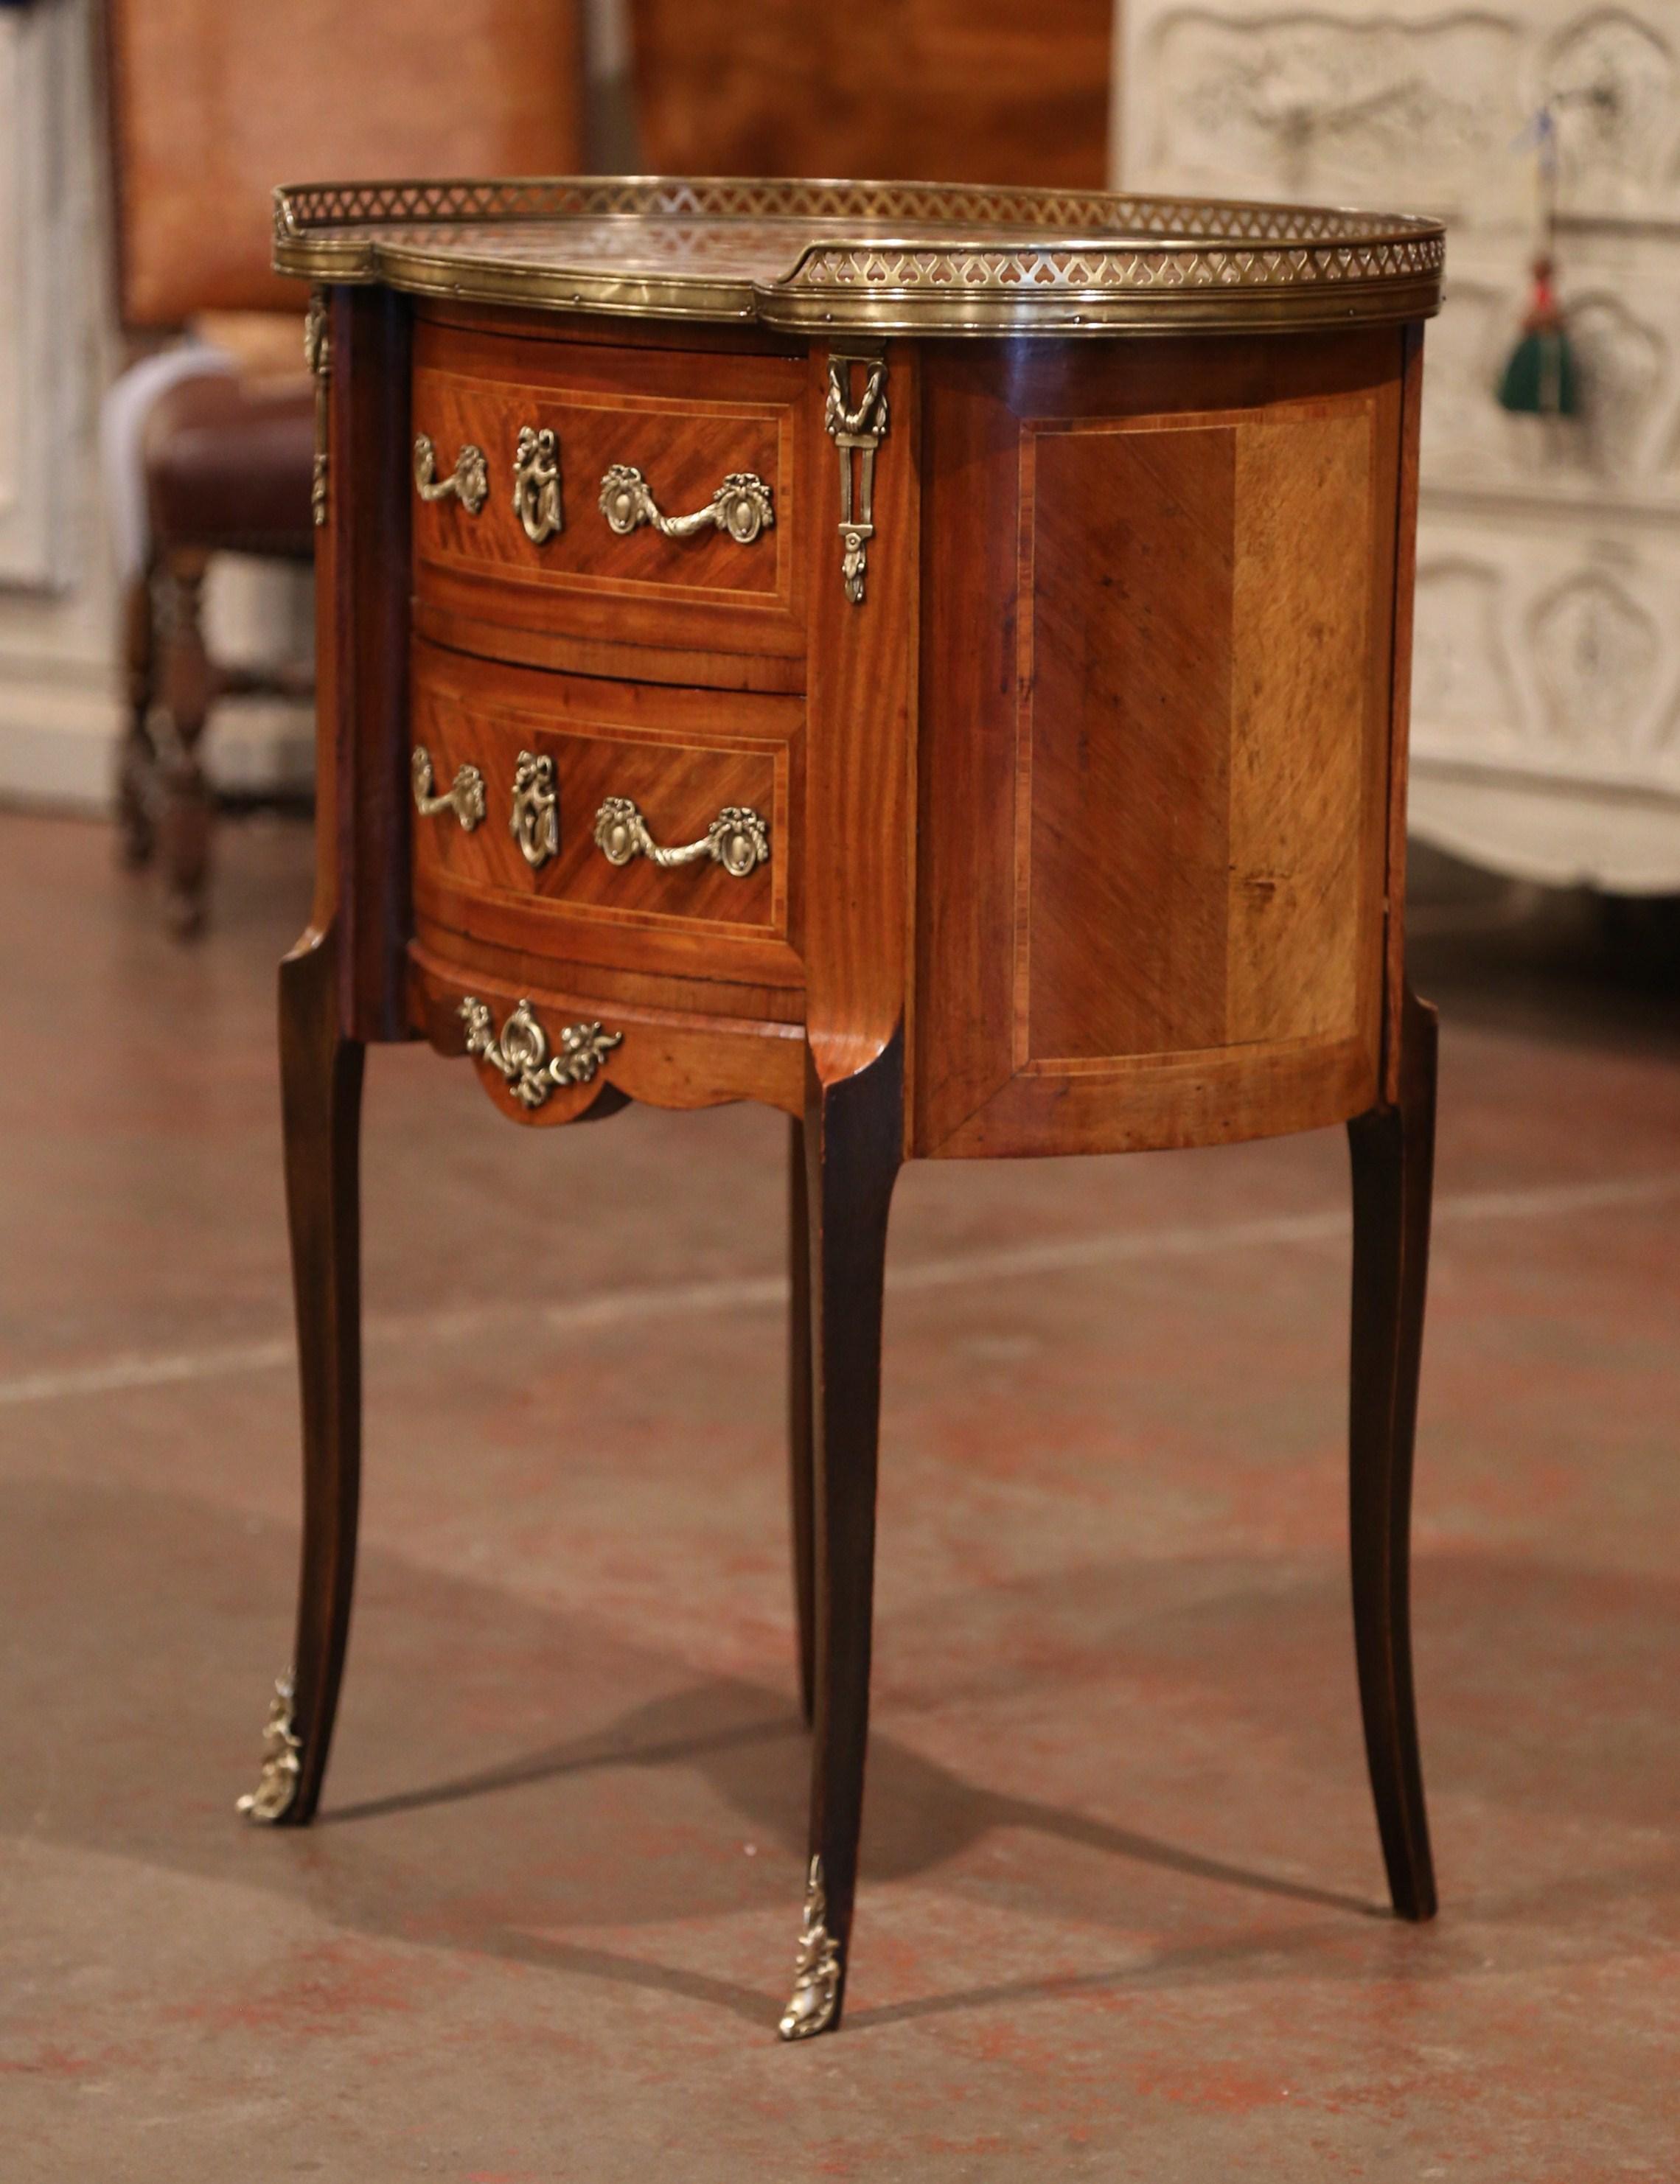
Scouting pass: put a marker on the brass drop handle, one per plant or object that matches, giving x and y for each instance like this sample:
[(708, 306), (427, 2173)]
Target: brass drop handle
[(469, 482), (536, 483), (737, 839), (521, 1053), (740, 506), (464, 795)]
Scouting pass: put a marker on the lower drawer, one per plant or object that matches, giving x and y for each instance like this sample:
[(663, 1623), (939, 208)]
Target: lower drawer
[(634, 825)]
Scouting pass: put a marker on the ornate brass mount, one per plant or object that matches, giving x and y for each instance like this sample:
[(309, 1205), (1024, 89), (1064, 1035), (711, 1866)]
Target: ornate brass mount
[(318, 356), (522, 1054), (737, 839), (856, 433), (469, 482), (740, 506), (464, 795), (534, 821), (277, 1785), (817, 1968), (536, 483)]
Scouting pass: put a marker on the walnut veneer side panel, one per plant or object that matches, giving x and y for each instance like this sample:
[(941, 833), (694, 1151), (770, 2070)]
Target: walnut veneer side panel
[(1169, 820), (1128, 542)]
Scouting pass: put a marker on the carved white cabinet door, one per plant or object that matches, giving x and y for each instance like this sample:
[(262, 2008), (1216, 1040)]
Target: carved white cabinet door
[(1546, 703)]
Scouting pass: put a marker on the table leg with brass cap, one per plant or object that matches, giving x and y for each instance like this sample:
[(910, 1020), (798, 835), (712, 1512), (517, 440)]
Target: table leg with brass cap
[(854, 1134), (1393, 1151), (320, 1094)]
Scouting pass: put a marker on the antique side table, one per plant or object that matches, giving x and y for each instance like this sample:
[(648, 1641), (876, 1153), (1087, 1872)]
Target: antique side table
[(932, 659)]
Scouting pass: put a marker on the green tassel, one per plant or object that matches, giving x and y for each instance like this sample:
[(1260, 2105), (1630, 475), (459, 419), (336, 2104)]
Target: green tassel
[(1540, 380)]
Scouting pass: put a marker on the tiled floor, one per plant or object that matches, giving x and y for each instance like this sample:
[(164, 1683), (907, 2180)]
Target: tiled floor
[(1121, 1915)]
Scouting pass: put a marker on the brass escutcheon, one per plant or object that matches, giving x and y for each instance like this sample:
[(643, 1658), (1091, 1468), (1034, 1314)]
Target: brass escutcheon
[(534, 821), (536, 483)]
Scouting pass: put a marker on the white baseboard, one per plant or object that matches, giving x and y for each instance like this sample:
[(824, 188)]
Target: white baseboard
[(58, 746)]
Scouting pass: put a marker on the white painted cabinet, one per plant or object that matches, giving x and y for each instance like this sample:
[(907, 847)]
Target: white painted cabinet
[(1546, 704)]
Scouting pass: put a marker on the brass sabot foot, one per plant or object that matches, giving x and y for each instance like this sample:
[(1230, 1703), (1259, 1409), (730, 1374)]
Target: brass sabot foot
[(277, 1785), (817, 1969)]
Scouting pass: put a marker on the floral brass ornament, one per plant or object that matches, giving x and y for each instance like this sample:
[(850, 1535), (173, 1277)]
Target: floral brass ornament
[(536, 483), (737, 839), (464, 795), (817, 1967), (740, 506), (277, 1785), (856, 433), (468, 482), (534, 821), (318, 357), (521, 1054)]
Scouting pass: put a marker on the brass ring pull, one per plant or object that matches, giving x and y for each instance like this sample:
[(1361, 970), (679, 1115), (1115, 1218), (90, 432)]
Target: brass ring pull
[(737, 839), (464, 795), (469, 482), (521, 1054), (740, 506), (536, 483)]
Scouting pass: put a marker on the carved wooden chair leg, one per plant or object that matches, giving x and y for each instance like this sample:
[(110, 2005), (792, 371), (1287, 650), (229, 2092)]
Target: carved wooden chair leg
[(854, 1144), (137, 759), (801, 1454), (321, 1090), (184, 827), (1393, 1160)]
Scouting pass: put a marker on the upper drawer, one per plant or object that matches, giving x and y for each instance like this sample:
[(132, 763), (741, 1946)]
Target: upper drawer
[(622, 496)]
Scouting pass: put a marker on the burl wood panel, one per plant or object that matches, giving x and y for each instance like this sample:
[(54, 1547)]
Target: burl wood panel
[(1155, 757), (980, 91), (212, 105), (685, 420)]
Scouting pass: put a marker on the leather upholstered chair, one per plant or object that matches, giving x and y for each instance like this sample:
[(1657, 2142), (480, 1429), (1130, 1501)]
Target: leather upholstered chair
[(212, 105)]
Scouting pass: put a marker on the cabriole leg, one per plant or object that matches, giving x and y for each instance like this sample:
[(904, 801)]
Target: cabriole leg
[(1393, 1160), (853, 1146), (322, 1074)]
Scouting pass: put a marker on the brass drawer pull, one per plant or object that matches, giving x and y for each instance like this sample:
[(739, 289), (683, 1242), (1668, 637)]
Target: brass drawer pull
[(469, 482), (534, 821), (737, 839), (536, 483), (464, 795), (521, 1054), (740, 506)]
